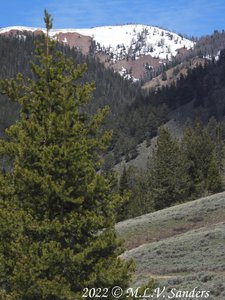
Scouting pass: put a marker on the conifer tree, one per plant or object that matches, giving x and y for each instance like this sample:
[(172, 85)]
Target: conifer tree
[(198, 149), (168, 179), (214, 180), (124, 191), (59, 208), (123, 183), (215, 131), (140, 201)]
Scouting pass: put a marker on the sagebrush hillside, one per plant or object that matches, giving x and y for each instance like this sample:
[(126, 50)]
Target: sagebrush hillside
[(181, 246)]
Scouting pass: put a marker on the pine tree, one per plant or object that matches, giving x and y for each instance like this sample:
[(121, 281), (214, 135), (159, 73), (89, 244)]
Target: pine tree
[(61, 207), (168, 180), (123, 183), (124, 191), (198, 149), (140, 201), (215, 131), (214, 180)]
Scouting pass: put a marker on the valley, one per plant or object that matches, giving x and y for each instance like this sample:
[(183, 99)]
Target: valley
[(165, 97)]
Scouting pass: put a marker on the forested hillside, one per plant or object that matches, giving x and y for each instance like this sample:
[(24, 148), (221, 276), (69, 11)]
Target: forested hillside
[(131, 116), (206, 47), (193, 165), (16, 52), (135, 116)]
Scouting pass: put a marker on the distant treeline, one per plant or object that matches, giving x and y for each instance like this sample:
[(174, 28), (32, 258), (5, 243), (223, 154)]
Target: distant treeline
[(178, 171)]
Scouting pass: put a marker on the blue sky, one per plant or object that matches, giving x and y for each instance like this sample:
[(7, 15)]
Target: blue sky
[(192, 17)]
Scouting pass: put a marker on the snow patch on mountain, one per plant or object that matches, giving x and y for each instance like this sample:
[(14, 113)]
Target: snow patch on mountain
[(123, 44), (125, 41), (133, 41), (127, 74), (211, 57)]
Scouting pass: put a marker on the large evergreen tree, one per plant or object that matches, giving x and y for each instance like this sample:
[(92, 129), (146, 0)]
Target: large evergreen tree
[(168, 179), (139, 201), (199, 151), (214, 180), (216, 132), (57, 230)]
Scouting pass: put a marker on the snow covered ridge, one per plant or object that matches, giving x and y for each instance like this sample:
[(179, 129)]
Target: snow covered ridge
[(125, 41), (130, 50), (137, 40)]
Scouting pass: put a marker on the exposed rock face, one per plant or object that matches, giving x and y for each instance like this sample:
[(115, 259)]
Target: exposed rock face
[(77, 40)]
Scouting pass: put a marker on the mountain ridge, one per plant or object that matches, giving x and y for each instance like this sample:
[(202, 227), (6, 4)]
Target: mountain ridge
[(119, 46)]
